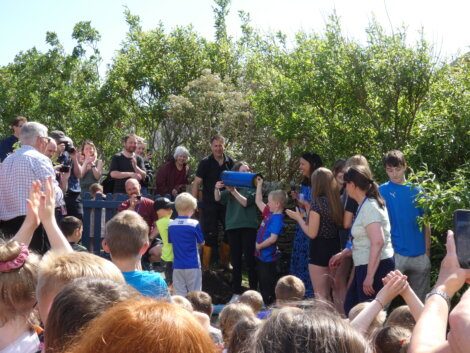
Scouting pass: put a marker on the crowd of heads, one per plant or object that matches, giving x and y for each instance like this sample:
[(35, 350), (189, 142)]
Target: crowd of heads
[(85, 305)]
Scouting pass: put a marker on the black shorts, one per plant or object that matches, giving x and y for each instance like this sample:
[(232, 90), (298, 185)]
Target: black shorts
[(322, 249)]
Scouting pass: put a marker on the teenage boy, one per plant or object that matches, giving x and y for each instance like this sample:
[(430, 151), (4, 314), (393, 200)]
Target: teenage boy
[(72, 227), (410, 242), (126, 239), (8, 143), (164, 209), (270, 229), (186, 236)]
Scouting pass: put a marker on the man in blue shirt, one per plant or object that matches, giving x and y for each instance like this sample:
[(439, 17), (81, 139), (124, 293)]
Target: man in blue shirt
[(410, 242), (7, 144)]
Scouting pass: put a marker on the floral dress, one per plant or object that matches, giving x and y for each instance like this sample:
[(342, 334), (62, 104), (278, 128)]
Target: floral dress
[(300, 250)]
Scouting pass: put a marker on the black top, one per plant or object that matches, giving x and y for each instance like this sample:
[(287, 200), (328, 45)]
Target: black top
[(121, 163), (351, 205), (328, 228), (6, 146), (209, 171)]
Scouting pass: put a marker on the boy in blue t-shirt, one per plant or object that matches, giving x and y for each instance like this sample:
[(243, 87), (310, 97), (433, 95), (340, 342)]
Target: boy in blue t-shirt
[(270, 228), (186, 236), (126, 239), (411, 244)]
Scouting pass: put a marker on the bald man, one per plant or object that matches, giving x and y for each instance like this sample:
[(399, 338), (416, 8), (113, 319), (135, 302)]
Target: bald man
[(136, 202), (144, 207), (51, 149)]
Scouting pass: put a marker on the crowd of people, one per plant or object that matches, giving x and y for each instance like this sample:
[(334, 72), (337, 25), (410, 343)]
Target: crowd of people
[(356, 248)]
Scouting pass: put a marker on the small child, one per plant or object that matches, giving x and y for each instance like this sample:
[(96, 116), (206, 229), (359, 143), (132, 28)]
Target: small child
[(78, 303), (186, 235), (127, 240), (57, 269), (72, 227), (401, 316), (253, 299), (202, 302), (392, 339), (95, 189), (164, 209), (288, 289), (182, 302), (18, 278), (229, 317), (375, 324), (271, 227)]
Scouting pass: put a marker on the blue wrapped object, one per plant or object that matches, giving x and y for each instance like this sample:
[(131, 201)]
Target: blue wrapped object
[(239, 179)]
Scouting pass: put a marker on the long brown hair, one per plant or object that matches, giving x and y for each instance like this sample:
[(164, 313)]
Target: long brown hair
[(324, 184), (361, 176), (318, 329), (144, 325)]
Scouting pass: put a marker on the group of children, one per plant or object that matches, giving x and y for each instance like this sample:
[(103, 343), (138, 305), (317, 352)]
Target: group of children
[(68, 282)]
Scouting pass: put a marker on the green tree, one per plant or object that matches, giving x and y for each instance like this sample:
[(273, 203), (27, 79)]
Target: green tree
[(443, 134), (151, 66), (55, 88)]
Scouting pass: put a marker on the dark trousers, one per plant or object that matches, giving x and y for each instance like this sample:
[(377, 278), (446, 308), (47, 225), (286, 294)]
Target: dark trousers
[(267, 277), (355, 294), (212, 215), (168, 272), (242, 243), (39, 242), (73, 203)]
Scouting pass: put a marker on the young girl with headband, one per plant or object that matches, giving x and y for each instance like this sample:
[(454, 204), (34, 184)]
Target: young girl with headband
[(18, 278)]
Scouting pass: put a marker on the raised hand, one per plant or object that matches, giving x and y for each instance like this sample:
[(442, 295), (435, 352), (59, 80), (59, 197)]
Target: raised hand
[(46, 209), (295, 215), (32, 205)]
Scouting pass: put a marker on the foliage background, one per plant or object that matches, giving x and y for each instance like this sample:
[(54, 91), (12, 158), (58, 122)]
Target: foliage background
[(272, 98)]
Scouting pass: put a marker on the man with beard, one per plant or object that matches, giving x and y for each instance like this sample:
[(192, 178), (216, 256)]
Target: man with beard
[(207, 174), (126, 164)]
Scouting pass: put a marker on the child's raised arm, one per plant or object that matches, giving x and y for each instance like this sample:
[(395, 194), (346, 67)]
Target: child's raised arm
[(259, 194), (393, 287), (31, 221), (409, 296), (47, 217)]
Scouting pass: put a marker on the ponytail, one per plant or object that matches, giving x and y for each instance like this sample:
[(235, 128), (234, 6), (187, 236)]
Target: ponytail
[(374, 193)]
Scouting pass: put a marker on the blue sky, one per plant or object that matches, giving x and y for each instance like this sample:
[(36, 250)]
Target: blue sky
[(23, 23)]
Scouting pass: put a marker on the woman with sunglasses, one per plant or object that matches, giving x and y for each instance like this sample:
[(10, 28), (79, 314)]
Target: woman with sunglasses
[(372, 247)]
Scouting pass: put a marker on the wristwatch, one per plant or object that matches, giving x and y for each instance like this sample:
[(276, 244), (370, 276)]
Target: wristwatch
[(441, 293)]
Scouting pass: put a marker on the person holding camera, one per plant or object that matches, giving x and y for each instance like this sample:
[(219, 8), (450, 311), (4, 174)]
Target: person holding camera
[(68, 159)]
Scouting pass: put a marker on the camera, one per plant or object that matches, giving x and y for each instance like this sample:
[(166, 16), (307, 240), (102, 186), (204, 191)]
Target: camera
[(64, 169), (69, 148)]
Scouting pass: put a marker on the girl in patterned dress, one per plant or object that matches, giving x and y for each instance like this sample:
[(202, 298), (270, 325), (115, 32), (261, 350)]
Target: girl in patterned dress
[(308, 163)]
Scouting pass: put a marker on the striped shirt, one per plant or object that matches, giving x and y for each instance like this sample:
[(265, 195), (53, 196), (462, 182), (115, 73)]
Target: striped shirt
[(17, 173)]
